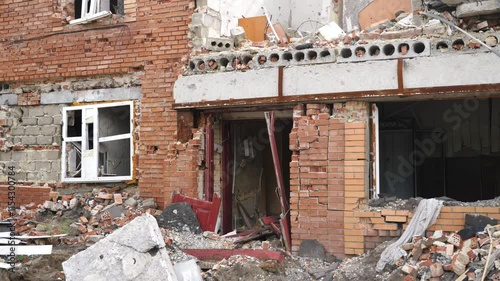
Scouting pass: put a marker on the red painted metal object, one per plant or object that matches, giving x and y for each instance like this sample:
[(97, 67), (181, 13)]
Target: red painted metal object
[(285, 214), (219, 254), (227, 178), (209, 161), (206, 211)]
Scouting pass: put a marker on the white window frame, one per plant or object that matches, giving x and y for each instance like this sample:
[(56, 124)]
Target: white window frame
[(95, 12), (89, 173)]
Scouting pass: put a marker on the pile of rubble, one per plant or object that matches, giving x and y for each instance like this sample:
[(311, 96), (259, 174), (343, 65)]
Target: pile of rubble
[(467, 253), (103, 219), (82, 216)]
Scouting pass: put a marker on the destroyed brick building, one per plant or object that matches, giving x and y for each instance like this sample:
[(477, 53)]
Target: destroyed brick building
[(365, 100)]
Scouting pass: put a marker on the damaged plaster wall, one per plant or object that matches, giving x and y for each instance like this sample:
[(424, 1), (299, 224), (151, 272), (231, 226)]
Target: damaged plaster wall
[(31, 137), (290, 13), (351, 9)]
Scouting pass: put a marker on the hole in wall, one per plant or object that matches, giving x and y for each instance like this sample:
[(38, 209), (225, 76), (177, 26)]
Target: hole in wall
[(191, 65), (389, 49), (360, 51), (374, 51), (213, 43), (227, 45), (458, 44), (287, 56), (220, 45), (223, 62), (262, 59), (247, 59), (325, 54), (236, 62), (274, 58), (201, 65), (419, 47), (312, 55), (213, 65), (491, 41), (442, 46), (299, 56), (346, 53), (403, 49)]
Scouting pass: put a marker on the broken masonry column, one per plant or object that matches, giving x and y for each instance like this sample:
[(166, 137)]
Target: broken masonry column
[(134, 252)]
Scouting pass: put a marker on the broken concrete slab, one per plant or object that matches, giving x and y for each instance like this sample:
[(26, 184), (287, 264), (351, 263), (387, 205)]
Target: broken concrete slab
[(312, 249), (179, 216), (474, 8), (134, 252), (188, 271)]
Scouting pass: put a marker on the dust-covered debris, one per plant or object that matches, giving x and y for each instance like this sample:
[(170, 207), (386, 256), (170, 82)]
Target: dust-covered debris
[(363, 267)]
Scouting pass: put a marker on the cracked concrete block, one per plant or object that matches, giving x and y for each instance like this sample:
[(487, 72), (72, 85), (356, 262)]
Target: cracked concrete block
[(17, 131), (6, 156), (134, 252), (33, 176), (53, 176), (46, 120), (36, 111), (51, 155), (44, 140), (48, 130), (43, 166), (29, 121), (219, 44), (21, 176), (57, 140), (57, 119), (29, 140), (52, 110), (27, 166), (32, 131), (480, 8)]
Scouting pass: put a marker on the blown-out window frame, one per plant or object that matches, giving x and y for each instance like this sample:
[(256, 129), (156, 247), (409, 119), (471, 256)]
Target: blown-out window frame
[(83, 158)]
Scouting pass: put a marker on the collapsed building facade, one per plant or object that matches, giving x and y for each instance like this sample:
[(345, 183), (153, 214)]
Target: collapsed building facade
[(155, 94)]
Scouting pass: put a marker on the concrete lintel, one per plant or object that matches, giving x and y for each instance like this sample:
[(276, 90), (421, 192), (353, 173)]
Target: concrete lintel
[(458, 70), (8, 99), (96, 95), (341, 81), (226, 86), (338, 78)]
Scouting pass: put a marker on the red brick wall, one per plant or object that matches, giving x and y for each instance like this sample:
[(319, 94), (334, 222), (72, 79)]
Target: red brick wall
[(37, 45), (24, 195)]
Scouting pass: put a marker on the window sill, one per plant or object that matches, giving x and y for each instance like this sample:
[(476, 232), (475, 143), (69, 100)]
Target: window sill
[(90, 18), (98, 179)]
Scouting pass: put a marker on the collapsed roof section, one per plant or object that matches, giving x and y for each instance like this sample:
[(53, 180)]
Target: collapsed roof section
[(227, 38)]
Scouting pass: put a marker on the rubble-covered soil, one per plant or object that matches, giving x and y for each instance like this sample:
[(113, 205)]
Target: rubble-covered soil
[(363, 268)]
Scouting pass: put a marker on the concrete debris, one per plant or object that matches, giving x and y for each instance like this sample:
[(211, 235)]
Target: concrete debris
[(311, 249), (134, 252), (181, 217), (331, 31), (188, 271)]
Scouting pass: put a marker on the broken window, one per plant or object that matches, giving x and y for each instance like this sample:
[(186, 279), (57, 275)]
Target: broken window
[(440, 148), (97, 143), (90, 10)]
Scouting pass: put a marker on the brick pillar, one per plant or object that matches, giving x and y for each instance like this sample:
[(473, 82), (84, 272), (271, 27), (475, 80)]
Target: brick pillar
[(355, 115), (316, 198)]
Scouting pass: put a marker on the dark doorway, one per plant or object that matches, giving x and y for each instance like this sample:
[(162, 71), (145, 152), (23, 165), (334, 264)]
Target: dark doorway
[(249, 180)]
